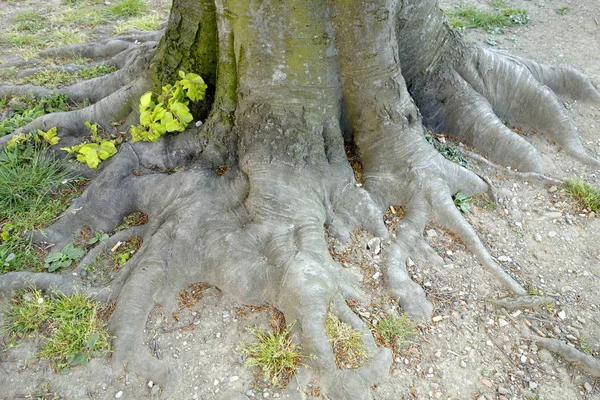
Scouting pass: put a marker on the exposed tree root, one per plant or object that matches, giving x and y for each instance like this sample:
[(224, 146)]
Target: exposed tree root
[(526, 176), (587, 363), (50, 283), (513, 303), (468, 92)]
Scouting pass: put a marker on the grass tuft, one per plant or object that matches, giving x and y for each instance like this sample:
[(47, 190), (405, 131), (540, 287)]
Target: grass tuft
[(348, 344), (72, 331), (274, 354), (394, 332), (127, 8), (586, 194)]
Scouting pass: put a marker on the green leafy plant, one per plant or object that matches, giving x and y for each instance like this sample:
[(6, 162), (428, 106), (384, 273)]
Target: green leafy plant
[(7, 259), (95, 150), (449, 151), (27, 109), (127, 8), (168, 112), (99, 237), (461, 201), (64, 258), (274, 354)]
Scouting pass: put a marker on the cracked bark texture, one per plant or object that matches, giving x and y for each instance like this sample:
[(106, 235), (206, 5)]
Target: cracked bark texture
[(289, 82)]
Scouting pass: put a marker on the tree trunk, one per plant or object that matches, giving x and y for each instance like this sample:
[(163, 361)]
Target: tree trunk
[(289, 84)]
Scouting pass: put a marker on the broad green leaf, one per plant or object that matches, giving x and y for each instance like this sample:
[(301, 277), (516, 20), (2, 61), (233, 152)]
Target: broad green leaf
[(52, 257), (92, 340), (145, 100), (107, 149)]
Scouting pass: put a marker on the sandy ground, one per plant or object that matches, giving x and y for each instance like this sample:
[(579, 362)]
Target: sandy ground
[(475, 351)]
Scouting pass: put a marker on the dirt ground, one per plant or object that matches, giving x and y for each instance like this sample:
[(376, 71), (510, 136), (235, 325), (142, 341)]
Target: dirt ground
[(473, 350)]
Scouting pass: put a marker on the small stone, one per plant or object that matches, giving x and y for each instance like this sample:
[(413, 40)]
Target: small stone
[(552, 234), (437, 318), (571, 338), (538, 237), (523, 359), (276, 395), (502, 390), (489, 343), (431, 233), (562, 315), (265, 395), (502, 322), (533, 385), (376, 275), (234, 378), (249, 393), (463, 364), (374, 245), (216, 382), (438, 354), (430, 371), (150, 384), (155, 390), (504, 259), (553, 215), (410, 262), (119, 394), (553, 189), (218, 335), (427, 284), (588, 387), (556, 330)]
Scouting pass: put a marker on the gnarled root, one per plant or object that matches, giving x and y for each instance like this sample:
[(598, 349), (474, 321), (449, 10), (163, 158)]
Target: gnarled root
[(468, 92), (587, 363)]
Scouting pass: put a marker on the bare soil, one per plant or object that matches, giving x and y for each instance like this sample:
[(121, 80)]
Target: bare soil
[(473, 350)]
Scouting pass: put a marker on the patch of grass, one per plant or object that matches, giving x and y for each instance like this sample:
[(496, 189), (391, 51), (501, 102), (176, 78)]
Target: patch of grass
[(348, 344), (63, 36), (30, 21), (28, 109), (493, 21), (449, 151), (70, 324), (127, 8), (144, 23), (394, 332), (96, 71), (53, 78), (87, 16), (125, 251), (26, 313), (584, 345), (34, 190), (587, 195), (274, 353), (22, 39), (563, 10)]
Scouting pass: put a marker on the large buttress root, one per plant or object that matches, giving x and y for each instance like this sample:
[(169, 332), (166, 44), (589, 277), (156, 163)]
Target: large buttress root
[(399, 165), (469, 92)]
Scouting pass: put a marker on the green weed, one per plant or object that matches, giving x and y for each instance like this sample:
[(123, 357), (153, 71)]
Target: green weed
[(587, 195), (30, 21), (150, 22), (348, 344), (461, 201), (450, 152), (28, 109), (274, 354), (563, 10), (53, 78)]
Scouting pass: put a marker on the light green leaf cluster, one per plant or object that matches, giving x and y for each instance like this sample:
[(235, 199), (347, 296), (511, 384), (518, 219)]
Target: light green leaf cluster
[(169, 112), (20, 139), (64, 258), (95, 151)]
